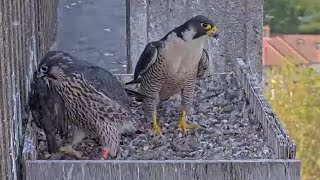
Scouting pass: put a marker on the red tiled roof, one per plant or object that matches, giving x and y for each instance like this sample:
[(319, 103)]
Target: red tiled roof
[(271, 56), (308, 48), (277, 48)]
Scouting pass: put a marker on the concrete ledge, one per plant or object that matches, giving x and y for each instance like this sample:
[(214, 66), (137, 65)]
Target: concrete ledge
[(283, 167), (277, 138), (164, 170)]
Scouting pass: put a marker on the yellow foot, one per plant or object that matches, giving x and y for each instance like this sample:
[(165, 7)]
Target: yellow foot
[(156, 129), (68, 149), (183, 124)]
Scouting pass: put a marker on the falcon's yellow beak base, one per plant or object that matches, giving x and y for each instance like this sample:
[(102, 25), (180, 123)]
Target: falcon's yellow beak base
[(212, 32)]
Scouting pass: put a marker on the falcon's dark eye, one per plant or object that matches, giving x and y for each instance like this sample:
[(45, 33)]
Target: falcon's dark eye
[(206, 26), (43, 69)]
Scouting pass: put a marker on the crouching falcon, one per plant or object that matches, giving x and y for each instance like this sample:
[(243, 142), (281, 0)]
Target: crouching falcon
[(47, 110), (172, 65), (93, 98)]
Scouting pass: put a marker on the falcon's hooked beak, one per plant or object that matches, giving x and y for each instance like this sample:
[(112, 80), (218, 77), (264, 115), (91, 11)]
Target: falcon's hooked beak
[(40, 75), (42, 72), (213, 32)]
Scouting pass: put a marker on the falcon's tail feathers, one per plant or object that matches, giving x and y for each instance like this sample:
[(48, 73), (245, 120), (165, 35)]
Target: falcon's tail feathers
[(138, 96), (135, 81), (132, 82)]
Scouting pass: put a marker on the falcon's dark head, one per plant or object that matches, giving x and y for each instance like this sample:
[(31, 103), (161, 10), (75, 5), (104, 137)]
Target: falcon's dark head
[(196, 27), (53, 66)]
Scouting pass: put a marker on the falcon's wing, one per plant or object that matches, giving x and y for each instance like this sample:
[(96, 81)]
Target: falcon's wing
[(105, 82), (47, 109), (147, 58), (203, 64), (44, 102)]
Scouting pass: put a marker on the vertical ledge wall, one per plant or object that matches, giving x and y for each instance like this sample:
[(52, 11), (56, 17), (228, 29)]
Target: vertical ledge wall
[(26, 32)]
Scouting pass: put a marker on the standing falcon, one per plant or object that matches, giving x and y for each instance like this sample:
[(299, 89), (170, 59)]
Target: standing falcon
[(94, 100), (172, 65)]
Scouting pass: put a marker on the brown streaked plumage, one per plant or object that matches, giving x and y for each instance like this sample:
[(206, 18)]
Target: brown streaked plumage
[(47, 109), (94, 99)]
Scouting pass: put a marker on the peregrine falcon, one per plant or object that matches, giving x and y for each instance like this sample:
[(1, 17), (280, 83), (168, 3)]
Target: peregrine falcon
[(47, 110), (95, 101), (171, 65)]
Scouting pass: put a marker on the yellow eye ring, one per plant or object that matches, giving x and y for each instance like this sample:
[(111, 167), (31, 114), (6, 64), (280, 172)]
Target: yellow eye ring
[(206, 26)]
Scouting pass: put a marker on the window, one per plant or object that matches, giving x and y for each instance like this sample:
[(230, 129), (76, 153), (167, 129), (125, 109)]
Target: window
[(300, 42)]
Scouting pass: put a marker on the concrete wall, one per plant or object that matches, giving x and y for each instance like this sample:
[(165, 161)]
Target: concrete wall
[(239, 24), (26, 30), (164, 170), (277, 137)]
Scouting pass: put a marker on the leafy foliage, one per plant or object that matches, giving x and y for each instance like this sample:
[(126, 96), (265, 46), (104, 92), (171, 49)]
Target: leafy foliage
[(293, 16), (294, 93)]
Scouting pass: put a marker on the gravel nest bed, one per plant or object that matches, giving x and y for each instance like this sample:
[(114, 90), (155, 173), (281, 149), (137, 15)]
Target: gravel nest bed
[(228, 129)]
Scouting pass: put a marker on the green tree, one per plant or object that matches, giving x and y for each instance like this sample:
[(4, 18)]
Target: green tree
[(292, 16), (310, 24), (293, 92)]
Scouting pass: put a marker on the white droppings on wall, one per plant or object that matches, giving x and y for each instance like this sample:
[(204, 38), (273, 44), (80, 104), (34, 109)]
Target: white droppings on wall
[(14, 140), (15, 23)]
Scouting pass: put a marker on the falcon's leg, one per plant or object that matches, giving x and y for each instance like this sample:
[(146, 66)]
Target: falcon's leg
[(109, 138), (78, 136), (186, 101), (150, 109), (156, 128), (51, 141), (151, 87)]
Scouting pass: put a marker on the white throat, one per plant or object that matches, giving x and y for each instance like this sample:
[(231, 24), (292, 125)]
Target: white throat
[(183, 56)]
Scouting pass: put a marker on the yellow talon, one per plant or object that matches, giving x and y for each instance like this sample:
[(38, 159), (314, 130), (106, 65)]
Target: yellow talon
[(183, 125), (156, 128), (68, 149)]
